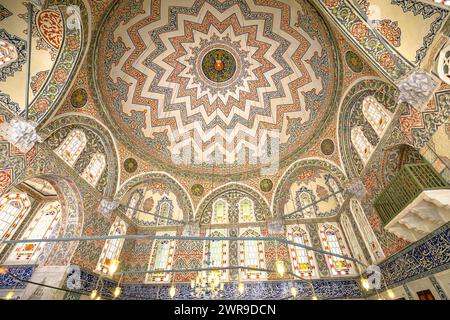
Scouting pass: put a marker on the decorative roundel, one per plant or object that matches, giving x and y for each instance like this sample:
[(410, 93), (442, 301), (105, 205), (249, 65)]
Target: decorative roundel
[(148, 204), (219, 65), (130, 165), (78, 98), (266, 185), (353, 61), (327, 147), (197, 190)]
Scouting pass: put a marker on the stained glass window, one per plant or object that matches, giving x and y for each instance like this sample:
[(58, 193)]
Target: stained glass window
[(361, 144), (443, 67), (8, 53), (301, 258), (132, 204), (164, 209), (376, 114), (246, 213), (333, 242), (13, 208), (161, 259), (220, 212), (72, 146), (251, 254), (354, 244), (94, 169), (111, 249), (44, 225), (218, 253), (372, 244)]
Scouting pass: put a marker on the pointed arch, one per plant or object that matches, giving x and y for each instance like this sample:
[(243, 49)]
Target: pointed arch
[(251, 254), (353, 241), (72, 146), (246, 210), (375, 113), (333, 241), (216, 252), (161, 259), (94, 169), (370, 239), (220, 211), (302, 260), (112, 248), (361, 144)]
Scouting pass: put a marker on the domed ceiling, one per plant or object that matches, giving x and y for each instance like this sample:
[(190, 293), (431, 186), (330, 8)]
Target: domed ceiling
[(219, 77)]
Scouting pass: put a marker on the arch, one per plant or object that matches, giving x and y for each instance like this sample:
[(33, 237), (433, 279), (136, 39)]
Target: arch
[(365, 229), (375, 113), (112, 247), (358, 253), (351, 115), (246, 210), (333, 241), (302, 260), (362, 145), (71, 222), (252, 254), (174, 186), (94, 169), (217, 251), (134, 203), (103, 133), (161, 258), (261, 207), (72, 146), (220, 211), (289, 176)]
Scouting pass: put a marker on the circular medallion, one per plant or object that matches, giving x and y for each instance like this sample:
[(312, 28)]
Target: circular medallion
[(78, 98), (197, 190), (148, 204), (353, 61), (266, 185), (130, 165), (327, 147), (218, 65)]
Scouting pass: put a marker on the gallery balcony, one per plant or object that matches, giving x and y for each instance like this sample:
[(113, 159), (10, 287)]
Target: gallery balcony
[(415, 202)]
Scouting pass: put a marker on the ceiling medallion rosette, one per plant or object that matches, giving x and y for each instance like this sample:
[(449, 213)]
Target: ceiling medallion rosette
[(216, 77)]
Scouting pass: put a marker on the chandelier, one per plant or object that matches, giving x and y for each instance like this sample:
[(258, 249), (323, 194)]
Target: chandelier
[(207, 284)]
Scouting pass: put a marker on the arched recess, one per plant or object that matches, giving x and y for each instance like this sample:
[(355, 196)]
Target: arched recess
[(70, 224), (163, 182), (290, 176), (55, 132), (233, 194), (351, 116)]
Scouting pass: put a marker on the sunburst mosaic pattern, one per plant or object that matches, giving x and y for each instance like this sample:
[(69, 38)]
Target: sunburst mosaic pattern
[(209, 74)]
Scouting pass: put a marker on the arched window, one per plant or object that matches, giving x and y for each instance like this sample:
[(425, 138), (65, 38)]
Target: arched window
[(216, 253), (8, 53), (161, 259), (376, 114), (94, 169), (220, 212), (13, 208), (301, 258), (334, 188), (370, 239), (43, 226), (305, 204), (251, 254), (132, 204), (333, 242), (354, 244), (72, 146), (164, 210), (246, 213), (111, 249), (362, 145), (443, 67)]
